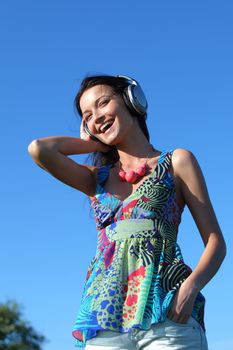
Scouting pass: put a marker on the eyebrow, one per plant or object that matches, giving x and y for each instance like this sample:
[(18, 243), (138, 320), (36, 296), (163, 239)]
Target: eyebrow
[(96, 102)]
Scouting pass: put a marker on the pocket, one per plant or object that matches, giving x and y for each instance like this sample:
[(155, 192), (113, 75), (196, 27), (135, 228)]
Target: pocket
[(177, 324), (190, 323), (184, 335)]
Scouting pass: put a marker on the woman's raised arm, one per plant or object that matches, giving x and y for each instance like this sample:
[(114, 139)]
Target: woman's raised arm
[(51, 154)]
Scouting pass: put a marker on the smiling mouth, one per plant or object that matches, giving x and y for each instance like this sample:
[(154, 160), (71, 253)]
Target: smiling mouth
[(107, 127)]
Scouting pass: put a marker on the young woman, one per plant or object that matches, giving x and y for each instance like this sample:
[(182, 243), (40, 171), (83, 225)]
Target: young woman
[(138, 293)]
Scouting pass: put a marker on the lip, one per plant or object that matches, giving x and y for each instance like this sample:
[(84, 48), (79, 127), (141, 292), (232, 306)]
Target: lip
[(108, 131), (105, 132)]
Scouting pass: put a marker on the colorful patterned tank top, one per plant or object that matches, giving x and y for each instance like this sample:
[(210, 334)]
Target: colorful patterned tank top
[(138, 265)]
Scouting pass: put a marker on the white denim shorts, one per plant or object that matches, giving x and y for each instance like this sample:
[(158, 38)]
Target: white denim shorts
[(167, 335)]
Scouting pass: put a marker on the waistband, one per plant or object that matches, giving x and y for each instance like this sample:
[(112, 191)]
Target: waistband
[(132, 228)]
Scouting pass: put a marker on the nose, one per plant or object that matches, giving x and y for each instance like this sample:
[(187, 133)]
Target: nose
[(98, 117), (96, 121)]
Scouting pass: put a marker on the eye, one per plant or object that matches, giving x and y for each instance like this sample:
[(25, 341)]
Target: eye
[(87, 117), (103, 102)]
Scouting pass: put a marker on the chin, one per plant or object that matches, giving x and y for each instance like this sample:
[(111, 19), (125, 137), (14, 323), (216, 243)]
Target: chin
[(111, 140), (110, 143)]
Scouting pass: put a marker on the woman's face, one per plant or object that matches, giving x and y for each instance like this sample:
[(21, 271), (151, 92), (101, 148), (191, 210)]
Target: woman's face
[(105, 114)]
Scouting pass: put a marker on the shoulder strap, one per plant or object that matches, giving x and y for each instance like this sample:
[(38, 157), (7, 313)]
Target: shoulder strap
[(164, 162)]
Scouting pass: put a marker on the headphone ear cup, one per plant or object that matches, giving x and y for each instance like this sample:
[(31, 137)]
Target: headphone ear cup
[(134, 96), (137, 99), (127, 101)]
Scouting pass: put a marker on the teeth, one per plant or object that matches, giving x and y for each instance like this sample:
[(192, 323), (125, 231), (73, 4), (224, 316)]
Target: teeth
[(105, 126)]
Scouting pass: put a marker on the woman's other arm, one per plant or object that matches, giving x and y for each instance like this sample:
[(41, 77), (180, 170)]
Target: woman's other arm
[(195, 194)]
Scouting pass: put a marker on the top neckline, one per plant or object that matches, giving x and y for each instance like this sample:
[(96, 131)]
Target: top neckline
[(139, 186)]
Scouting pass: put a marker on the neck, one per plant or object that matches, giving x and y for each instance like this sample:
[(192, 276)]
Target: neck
[(133, 149)]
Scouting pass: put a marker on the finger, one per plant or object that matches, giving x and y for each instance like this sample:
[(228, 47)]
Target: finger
[(172, 316), (182, 319), (185, 318), (83, 134), (82, 125), (169, 315)]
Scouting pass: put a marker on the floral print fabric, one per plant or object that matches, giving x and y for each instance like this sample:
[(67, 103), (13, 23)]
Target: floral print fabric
[(138, 265)]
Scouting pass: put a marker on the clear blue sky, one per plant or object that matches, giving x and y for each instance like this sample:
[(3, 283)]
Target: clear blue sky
[(181, 52)]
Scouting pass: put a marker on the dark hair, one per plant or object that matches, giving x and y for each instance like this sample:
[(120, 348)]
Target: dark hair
[(118, 85)]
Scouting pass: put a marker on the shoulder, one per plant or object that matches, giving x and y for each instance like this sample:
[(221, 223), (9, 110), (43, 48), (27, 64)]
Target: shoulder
[(183, 160), (182, 155)]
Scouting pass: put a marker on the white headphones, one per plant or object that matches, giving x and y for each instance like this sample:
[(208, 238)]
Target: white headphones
[(133, 96)]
